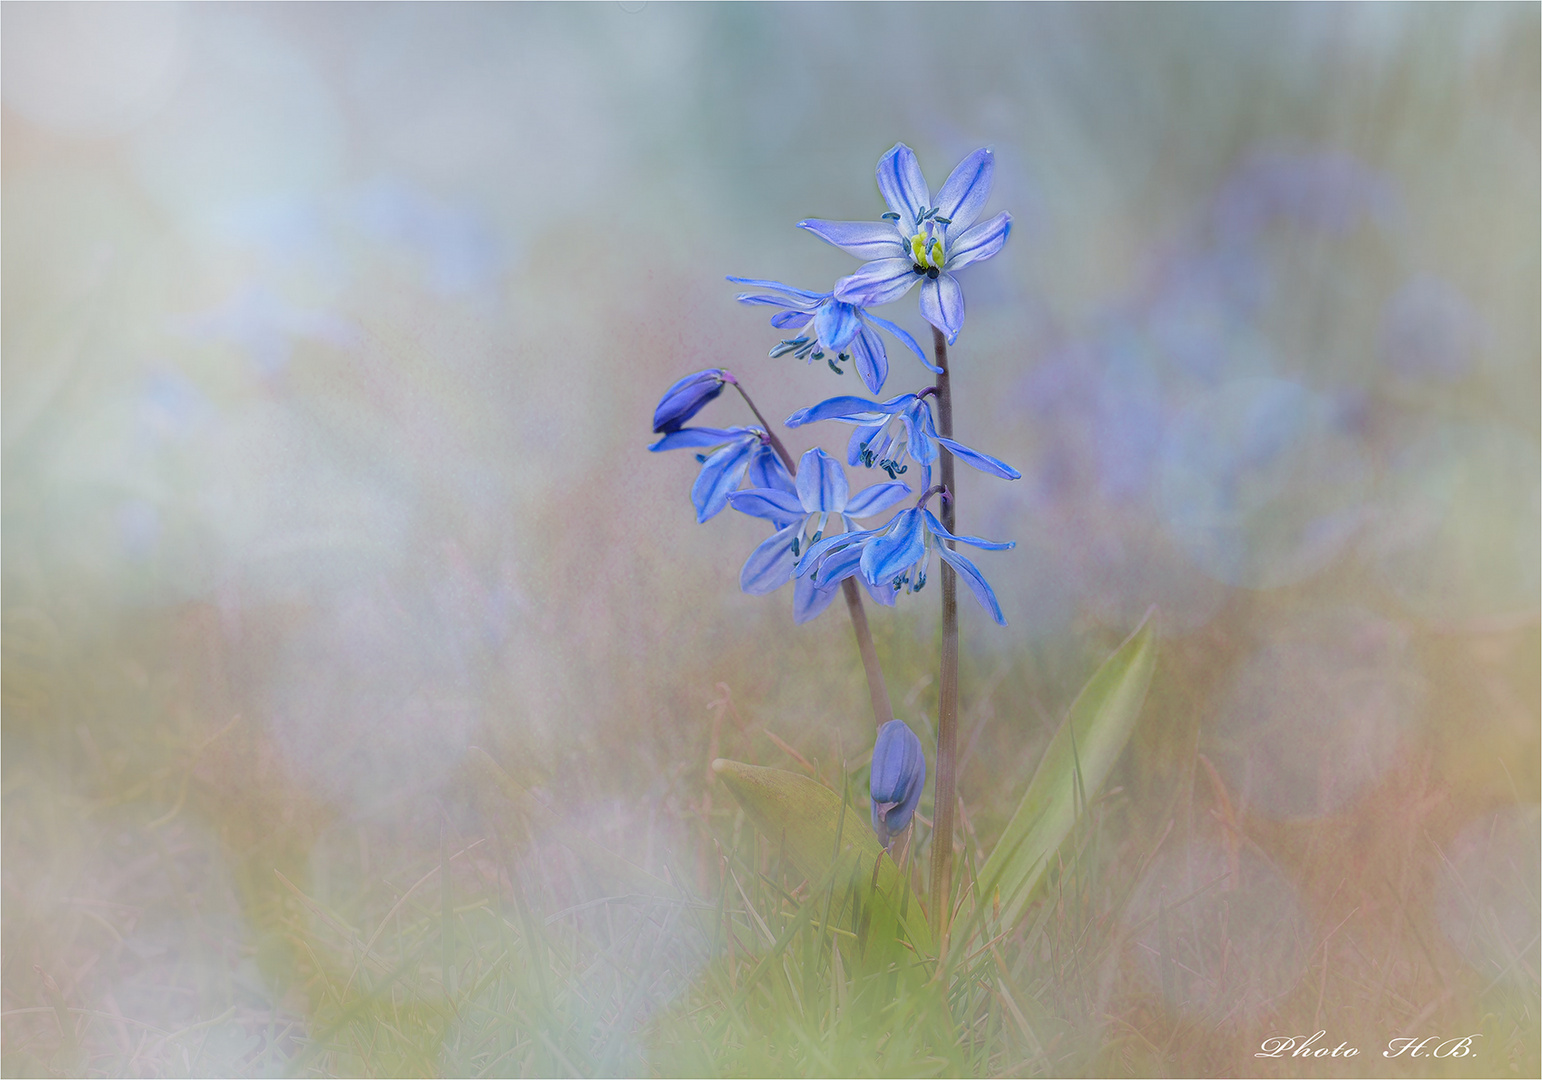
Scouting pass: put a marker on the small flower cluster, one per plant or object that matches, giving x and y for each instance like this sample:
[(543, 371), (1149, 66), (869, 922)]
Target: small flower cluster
[(817, 543)]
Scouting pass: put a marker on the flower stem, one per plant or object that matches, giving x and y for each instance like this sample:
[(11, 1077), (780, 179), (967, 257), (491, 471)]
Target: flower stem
[(877, 689), (776, 444), (947, 698)]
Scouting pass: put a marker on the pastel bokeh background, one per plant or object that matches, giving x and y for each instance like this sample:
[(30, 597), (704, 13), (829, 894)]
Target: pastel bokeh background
[(331, 337)]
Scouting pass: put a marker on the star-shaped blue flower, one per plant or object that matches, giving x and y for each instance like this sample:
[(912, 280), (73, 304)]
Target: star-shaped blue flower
[(889, 431), (920, 241), (801, 511), (840, 330), (900, 554), (742, 451)]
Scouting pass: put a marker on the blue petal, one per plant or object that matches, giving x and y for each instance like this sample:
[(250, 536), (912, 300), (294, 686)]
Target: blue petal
[(769, 566), (710, 375), (768, 503), (942, 304), (984, 462), (919, 433), (977, 584), (884, 594), (849, 408), (980, 242), (790, 320), (864, 239), (810, 599), (835, 324), (974, 541), (773, 301), (896, 780), (837, 565), (685, 399), (871, 358), (923, 416), (720, 474), (698, 437), (877, 499), (767, 471), (861, 434), (879, 282), (904, 337), (822, 550), (896, 758), (802, 294), (902, 185), (821, 483), (896, 820), (900, 545), (964, 192)]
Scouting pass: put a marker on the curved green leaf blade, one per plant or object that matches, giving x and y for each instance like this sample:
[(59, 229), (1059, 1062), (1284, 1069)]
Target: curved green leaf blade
[(804, 819), (1072, 770)]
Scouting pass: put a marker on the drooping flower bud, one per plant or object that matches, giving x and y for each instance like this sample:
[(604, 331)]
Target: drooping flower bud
[(898, 775), (685, 399)]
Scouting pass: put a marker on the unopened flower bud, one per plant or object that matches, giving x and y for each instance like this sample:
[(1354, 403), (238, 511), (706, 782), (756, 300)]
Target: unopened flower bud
[(685, 399), (898, 775)]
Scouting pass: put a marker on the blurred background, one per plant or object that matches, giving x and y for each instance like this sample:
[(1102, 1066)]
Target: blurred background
[(332, 335)]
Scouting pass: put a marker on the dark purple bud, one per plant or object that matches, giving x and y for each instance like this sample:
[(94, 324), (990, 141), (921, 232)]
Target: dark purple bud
[(898, 775), (685, 399)]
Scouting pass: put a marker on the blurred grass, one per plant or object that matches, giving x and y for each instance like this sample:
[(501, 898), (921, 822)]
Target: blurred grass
[(190, 879), (263, 586)]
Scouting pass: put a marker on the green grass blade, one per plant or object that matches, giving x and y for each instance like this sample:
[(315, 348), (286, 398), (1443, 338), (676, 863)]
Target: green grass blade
[(1074, 767), (809, 818)]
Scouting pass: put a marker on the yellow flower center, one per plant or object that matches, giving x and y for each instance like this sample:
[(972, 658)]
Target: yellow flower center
[(926, 256)]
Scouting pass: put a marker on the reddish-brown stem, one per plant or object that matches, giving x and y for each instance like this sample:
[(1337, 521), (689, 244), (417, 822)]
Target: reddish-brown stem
[(947, 696), (776, 444), (877, 689)]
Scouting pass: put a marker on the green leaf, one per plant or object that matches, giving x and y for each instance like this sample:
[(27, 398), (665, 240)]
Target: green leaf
[(804, 819), (1073, 768)]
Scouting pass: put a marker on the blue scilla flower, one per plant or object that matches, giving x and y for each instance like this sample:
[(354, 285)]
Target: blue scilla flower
[(918, 240), (685, 398), (801, 512), (897, 777), (900, 554), (840, 330), (742, 451), (888, 432)]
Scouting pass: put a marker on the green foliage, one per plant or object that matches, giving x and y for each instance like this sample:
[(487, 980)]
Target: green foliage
[(829, 842), (1071, 772), (503, 928)]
